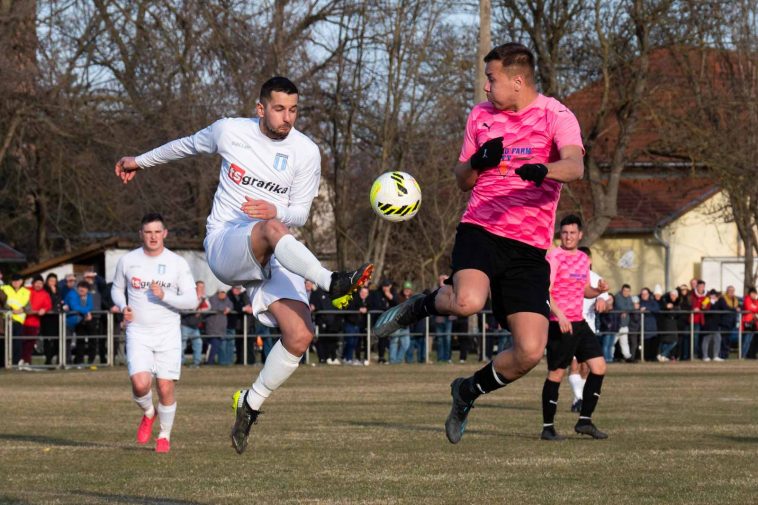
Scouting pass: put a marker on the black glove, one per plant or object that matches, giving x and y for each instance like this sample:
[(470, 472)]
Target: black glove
[(535, 172), (488, 156)]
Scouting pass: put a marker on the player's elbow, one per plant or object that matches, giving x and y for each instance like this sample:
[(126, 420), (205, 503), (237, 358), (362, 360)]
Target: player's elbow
[(577, 170)]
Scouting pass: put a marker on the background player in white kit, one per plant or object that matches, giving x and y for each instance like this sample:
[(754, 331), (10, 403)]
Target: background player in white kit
[(269, 176), (158, 284)]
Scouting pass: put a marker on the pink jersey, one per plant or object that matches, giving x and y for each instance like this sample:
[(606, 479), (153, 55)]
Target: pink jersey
[(500, 201), (569, 274)]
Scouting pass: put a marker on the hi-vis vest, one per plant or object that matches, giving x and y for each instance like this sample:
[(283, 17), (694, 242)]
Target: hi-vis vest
[(17, 300)]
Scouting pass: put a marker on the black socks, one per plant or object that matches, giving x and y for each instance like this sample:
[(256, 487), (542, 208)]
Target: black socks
[(424, 307), (591, 395), (549, 401), (485, 380)]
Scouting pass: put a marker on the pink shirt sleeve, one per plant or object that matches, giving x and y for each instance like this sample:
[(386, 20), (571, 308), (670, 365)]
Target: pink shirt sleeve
[(469, 137), (567, 131)]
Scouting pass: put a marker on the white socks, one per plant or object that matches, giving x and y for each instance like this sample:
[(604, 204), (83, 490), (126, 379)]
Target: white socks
[(146, 404), (280, 364), (166, 415), (577, 385), (295, 257)]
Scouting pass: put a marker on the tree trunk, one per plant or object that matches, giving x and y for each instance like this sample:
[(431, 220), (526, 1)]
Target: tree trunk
[(483, 47)]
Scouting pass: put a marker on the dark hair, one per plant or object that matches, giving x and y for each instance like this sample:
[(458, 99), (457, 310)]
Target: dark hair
[(586, 250), (278, 83), (752, 290), (153, 217), (626, 286), (36, 278), (700, 281), (83, 284), (572, 219), (49, 276), (513, 54)]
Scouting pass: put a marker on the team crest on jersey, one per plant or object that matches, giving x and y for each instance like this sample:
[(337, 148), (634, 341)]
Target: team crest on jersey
[(280, 162), (136, 282), (161, 269)]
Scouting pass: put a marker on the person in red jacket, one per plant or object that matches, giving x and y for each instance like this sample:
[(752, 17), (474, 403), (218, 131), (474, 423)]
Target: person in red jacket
[(697, 297), (39, 303), (749, 321)]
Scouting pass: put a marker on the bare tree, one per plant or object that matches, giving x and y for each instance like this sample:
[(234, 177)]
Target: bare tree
[(713, 121), (484, 45)]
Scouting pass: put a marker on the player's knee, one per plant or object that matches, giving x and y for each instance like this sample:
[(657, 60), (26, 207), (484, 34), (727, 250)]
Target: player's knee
[(555, 375), (273, 230), (528, 357), (598, 367), (298, 343), (140, 387), (468, 304)]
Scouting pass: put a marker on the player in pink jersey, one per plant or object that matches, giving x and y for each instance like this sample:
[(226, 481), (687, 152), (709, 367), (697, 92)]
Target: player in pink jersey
[(519, 147), (569, 334)]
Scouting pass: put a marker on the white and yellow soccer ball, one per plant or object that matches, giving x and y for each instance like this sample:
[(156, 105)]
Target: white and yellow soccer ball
[(395, 196)]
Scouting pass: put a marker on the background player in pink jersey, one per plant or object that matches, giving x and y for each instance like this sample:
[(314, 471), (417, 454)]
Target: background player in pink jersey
[(569, 334), (519, 147)]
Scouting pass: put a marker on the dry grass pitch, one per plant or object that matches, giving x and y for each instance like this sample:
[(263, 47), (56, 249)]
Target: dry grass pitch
[(679, 434)]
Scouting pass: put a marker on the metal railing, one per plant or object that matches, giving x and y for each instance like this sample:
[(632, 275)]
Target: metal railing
[(485, 337)]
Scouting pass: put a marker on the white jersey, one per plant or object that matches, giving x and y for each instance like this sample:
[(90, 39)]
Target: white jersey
[(135, 272), (588, 308), (283, 172)]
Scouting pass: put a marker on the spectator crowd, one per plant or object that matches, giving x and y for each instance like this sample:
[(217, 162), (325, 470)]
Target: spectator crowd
[(653, 325)]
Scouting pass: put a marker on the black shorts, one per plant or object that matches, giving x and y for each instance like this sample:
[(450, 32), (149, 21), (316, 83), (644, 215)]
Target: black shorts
[(519, 273), (562, 347)]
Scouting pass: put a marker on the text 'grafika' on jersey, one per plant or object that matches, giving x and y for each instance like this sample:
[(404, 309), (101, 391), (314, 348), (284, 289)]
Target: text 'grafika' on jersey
[(135, 274)]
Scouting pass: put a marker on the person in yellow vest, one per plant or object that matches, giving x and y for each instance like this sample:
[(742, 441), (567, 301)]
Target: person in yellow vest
[(17, 301)]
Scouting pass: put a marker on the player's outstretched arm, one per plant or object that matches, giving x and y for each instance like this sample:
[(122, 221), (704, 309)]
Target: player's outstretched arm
[(126, 168), (202, 142)]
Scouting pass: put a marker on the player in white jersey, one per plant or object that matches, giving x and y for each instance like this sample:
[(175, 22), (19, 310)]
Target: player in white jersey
[(158, 284), (578, 372), (269, 176)]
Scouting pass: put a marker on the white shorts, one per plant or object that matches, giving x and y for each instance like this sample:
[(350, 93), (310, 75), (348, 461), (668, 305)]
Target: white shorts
[(231, 259), (160, 355)]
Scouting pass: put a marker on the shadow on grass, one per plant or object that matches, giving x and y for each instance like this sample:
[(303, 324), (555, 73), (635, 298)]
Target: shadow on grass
[(429, 429), (738, 438), (481, 405), (10, 500), (128, 499), (40, 439)]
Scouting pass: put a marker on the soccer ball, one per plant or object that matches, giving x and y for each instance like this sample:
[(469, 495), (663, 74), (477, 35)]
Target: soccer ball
[(395, 196)]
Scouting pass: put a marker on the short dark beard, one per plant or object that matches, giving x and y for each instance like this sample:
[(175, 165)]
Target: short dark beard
[(270, 133)]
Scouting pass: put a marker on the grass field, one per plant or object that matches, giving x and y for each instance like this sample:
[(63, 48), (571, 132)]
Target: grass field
[(681, 433)]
